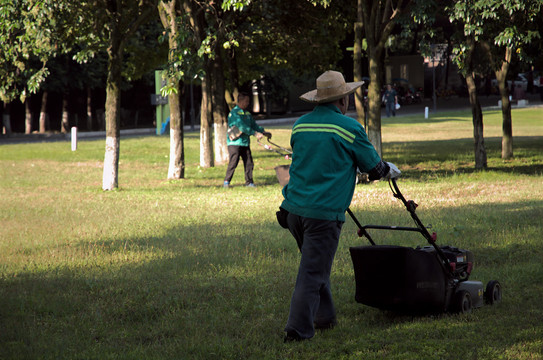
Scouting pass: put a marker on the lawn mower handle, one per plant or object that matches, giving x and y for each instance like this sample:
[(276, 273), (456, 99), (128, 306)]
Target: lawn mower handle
[(361, 229), (411, 206)]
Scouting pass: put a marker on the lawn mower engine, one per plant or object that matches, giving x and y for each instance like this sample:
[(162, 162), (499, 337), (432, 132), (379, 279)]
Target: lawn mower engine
[(461, 264), (460, 261)]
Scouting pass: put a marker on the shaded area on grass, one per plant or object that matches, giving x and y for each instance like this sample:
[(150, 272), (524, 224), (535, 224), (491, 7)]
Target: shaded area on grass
[(442, 158), (226, 296)]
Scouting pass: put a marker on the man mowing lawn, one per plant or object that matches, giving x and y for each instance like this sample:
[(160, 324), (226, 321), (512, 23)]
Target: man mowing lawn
[(328, 147)]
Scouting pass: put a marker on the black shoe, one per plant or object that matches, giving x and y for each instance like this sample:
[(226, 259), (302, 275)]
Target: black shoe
[(292, 336)]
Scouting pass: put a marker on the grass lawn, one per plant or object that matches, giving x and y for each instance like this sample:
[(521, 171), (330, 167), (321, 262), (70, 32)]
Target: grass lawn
[(188, 270)]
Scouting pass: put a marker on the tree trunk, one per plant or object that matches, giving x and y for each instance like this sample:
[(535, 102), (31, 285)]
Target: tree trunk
[(507, 122), (220, 121), (231, 93), (206, 138), (110, 178), (176, 168), (43, 112), (197, 20), (6, 119), (89, 109), (374, 101), (378, 18), (65, 123), (357, 68), (477, 115), (28, 117), (122, 23)]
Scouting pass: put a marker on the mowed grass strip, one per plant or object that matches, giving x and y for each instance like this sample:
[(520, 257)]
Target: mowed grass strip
[(185, 269)]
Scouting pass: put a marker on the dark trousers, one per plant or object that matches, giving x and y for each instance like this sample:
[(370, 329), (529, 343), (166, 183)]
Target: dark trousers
[(311, 301), (390, 108), (234, 153)]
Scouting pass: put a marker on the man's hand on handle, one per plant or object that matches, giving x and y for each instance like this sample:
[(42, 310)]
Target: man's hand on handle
[(394, 172)]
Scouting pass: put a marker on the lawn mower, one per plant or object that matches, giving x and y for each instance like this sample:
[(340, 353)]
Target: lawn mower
[(427, 279)]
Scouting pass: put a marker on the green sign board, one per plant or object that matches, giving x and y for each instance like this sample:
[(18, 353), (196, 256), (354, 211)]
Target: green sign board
[(161, 102)]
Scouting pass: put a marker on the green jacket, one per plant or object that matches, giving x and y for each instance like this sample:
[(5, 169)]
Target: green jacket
[(245, 123), (327, 149)]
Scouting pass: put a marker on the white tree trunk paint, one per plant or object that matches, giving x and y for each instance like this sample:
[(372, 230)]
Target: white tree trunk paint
[(111, 164)]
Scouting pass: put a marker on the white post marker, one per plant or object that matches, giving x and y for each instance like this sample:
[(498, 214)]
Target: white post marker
[(74, 138), (426, 112)]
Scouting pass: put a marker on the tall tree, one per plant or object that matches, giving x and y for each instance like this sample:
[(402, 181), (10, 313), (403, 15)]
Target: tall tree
[(109, 25), (123, 17), (490, 33), (472, 61), (217, 21), (195, 11), (357, 63), (216, 37), (183, 64), (209, 21), (505, 29), (169, 14), (378, 18), (375, 22), (269, 35)]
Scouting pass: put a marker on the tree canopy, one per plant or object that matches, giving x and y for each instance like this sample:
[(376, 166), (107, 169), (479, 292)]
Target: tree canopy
[(228, 42), (28, 39)]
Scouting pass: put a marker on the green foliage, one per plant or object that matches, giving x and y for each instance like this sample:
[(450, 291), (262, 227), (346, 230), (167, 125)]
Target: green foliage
[(34, 32), (188, 55), (290, 35), (28, 38), (185, 59), (324, 3), (505, 24), (235, 4), (421, 15), (143, 51)]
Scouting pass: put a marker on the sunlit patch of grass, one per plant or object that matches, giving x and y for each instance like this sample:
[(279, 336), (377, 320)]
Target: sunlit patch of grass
[(184, 268)]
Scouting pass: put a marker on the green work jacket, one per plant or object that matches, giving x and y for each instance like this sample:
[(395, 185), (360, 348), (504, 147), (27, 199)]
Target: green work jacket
[(327, 149), (245, 123)]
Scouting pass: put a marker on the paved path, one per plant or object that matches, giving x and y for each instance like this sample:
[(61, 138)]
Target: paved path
[(442, 105)]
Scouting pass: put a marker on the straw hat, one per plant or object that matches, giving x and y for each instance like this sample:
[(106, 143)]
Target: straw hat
[(330, 86)]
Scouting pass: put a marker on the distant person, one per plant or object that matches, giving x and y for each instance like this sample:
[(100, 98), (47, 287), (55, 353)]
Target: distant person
[(519, 93), (328, 148), (391, 99), (238, 141)]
